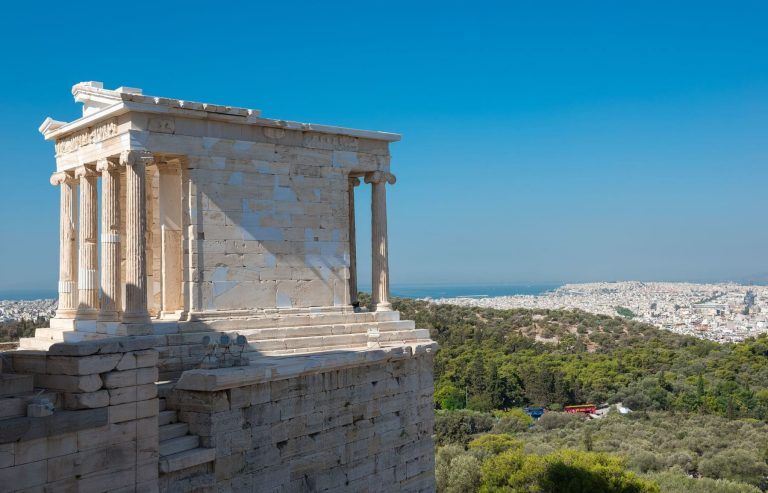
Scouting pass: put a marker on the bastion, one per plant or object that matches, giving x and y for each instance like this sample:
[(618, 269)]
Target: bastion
[(209, 335)]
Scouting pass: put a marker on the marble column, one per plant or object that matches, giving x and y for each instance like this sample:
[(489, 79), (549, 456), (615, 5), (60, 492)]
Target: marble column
[(110, 240), (67, 245), (353, 182), (380, 259), (88, 272), (135, 163)]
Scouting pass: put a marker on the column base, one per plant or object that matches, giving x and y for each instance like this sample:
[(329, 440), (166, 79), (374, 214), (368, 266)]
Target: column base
[(382, 307), (87, 314), (171, 315)]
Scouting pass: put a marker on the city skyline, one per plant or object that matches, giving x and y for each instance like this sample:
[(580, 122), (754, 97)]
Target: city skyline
[(575, 144)]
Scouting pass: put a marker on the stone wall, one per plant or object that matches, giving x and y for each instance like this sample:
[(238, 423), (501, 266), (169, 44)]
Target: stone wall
[(266, 215), (103, 436), (358, 422)]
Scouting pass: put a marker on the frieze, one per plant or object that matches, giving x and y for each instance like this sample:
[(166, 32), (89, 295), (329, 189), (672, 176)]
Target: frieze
[(85, 137), (162, 125), (330, 142)]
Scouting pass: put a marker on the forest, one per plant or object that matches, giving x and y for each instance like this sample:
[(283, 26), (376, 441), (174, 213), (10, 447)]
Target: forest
[(699, 408)]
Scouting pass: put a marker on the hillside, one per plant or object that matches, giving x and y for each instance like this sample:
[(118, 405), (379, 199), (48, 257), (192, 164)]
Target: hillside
[(495, 359), (699, 407)]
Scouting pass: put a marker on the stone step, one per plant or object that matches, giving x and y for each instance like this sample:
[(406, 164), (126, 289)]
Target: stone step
[(187, 459), (179, 444), (166, 418), (232, 323), (264, 334), (173, 430), (16, 383), (342, 340), (31, 343), (45, 333)]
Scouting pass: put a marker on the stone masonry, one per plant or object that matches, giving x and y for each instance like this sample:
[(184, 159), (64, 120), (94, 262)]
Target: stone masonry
[(103, 435)]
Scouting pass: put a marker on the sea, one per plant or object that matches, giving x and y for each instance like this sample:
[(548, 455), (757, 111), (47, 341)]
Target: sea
[(467, 290), (400, 290)]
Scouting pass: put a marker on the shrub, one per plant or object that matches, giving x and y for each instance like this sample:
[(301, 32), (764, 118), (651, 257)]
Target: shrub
[(512, 421), (456, 471), (565, 471), (495, 444), (678, 482), (552, 420), (460, 426)]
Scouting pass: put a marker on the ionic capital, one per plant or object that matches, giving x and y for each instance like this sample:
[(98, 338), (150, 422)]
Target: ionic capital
[(134, 157), (108, 164), (354, 181), (62, 177), (86, 171), (377, 177)]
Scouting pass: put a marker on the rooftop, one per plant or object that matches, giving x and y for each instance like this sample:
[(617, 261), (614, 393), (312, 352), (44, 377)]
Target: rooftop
[(99, 103)]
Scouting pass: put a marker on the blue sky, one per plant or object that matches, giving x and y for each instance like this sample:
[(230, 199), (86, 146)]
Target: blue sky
[(541, 143)]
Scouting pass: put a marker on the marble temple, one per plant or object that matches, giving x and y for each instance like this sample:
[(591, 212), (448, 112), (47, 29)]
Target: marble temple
[(209, 335)]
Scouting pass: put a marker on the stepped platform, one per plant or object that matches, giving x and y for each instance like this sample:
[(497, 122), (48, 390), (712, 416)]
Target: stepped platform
[(272, 334)]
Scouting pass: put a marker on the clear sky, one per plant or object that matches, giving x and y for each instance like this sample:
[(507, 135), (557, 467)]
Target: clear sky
[(551, 142)]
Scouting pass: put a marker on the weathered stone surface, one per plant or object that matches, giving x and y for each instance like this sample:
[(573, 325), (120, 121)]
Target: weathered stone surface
[(88, 365), (59, 422), (138, 359), (128, 378), (87, 400), (69, 383), (11, 384)]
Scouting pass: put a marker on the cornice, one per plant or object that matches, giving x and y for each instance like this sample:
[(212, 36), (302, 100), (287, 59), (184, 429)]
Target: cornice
[(105, 104)]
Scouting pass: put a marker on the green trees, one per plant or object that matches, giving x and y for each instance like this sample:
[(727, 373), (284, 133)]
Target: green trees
[(496, 359), (496, 463), (733, 452), (700, 407)]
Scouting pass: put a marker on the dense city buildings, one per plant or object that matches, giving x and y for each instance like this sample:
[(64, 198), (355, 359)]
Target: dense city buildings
[(18, 310), (721, 312)]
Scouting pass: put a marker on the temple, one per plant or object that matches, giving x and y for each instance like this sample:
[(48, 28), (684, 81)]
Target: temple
[(189, 232)]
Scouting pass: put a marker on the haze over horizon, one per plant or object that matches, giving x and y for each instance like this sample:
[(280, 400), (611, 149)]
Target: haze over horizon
[(567, 144)]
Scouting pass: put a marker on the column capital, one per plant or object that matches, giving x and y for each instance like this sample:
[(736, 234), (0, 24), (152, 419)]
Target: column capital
[(354, 181), (134, 157), (377, 177), (86, 171), (62, 177), (107, 164)]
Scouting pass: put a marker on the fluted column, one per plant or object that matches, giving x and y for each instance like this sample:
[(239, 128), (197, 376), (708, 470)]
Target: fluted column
[(110, 240), (135, 163), (353, 182), (380, 258), (67, 245), (88, 273)]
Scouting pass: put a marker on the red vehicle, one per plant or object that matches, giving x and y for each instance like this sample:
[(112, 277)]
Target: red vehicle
[(581, 408)]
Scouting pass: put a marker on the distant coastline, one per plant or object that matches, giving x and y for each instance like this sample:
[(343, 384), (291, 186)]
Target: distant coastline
[(467, 290), (432, 291)]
